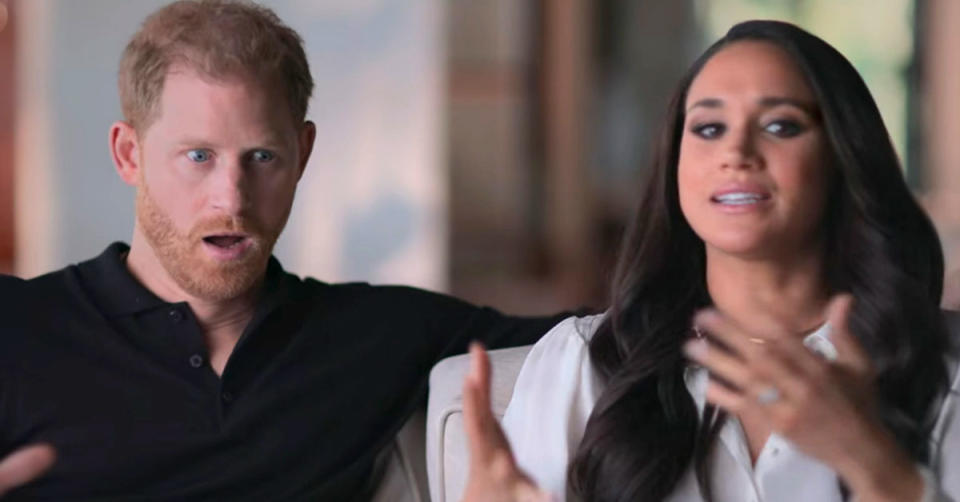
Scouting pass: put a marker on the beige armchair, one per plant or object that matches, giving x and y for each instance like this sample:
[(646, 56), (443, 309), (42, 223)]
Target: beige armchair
[(401, 470), (447, 457), (400, 474)]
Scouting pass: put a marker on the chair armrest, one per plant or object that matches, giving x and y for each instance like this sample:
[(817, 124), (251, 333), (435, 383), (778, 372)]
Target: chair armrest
[(447, 454)]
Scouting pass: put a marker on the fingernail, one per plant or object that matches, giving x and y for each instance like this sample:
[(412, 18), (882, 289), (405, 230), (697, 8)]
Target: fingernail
[(705, 316), (695, 348)]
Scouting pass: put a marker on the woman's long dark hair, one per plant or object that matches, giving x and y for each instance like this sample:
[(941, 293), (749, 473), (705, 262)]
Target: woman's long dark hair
[(645, 431)]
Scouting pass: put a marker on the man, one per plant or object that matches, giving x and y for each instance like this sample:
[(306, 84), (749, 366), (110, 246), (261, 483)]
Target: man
[(189, 365)]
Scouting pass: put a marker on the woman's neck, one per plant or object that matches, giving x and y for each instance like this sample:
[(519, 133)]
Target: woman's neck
[(779, 295)]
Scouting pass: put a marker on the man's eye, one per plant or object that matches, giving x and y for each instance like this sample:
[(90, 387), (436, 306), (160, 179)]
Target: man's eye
[(784, 128), (198, 155), (263, 156), (709, 131)]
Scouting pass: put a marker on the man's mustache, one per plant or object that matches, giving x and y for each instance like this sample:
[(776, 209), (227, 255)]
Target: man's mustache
[(227, 225)]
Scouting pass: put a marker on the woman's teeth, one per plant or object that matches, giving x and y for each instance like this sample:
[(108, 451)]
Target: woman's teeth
[(739, 198)]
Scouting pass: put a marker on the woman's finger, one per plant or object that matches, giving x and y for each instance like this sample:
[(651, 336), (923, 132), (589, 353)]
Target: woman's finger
[(474, 406), (850, 353), (733, 401), (790, 366), (25, 465), (719, 363), (527, 491), (773, 355), (723, 330), (485, 437)]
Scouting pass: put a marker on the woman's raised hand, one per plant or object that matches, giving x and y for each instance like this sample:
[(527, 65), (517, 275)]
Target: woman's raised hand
[(494, 475), (24, 465), (827, 408)]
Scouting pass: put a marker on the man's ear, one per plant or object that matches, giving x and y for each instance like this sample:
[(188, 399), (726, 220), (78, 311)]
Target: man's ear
[(125, 149), (308, 133)]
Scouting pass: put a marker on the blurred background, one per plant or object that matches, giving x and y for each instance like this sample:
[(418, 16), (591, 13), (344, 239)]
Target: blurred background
[(492, 149)]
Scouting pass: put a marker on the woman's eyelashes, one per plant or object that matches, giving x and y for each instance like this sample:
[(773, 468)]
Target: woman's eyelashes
[(781, 128), (708, 130)]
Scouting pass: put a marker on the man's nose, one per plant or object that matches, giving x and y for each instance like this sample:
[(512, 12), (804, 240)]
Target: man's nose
[(230, 188)]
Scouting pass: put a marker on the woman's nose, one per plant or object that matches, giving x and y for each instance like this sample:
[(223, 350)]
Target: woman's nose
[(740, 150)]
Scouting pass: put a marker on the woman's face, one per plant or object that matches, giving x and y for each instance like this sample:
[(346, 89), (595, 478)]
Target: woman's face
[(753, 168)]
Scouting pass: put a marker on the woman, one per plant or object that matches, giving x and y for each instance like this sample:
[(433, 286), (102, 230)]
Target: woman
[(774, 332)]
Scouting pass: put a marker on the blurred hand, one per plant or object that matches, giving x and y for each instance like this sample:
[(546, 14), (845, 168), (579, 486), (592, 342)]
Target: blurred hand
[(494, 475), (951, 291), (24, 466), (826, 408)]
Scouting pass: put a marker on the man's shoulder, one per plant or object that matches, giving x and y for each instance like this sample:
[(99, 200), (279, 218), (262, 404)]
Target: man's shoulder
[(371, 304), (366, 292), (16, 290), (23, 302), (11, 283)]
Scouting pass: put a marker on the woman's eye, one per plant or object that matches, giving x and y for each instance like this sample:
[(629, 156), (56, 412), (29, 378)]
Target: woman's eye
[(198, 156), (263, 156), (784, 128), (709, 131)]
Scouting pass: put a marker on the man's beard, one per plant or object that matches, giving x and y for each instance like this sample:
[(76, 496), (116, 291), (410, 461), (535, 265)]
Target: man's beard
[(183, 257)]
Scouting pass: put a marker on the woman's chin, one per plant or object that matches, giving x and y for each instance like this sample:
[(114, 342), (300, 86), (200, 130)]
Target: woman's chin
[(752, 248)]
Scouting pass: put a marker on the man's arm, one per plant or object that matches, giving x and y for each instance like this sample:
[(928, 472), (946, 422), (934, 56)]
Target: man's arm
[(451, 323)]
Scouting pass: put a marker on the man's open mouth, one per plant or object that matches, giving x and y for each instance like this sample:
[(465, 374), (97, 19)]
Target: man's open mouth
[(225, 241)]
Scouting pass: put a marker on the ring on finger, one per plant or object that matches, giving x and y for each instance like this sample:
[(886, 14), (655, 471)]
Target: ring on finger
[(768, 395)]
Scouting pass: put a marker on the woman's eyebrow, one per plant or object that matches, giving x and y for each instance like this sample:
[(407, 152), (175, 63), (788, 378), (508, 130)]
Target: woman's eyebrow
[(807, 106), (707, 103), (766, 101)]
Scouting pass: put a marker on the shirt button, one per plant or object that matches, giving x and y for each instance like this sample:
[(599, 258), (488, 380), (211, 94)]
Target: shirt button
[(196, 360), (226, 396), (776, 450), (175, 315)]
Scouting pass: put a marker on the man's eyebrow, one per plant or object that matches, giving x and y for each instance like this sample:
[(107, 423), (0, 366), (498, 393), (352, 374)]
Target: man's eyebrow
[(269, 143), (193, 142)]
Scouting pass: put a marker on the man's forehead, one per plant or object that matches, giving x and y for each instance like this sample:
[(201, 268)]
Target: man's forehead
[(196, 106)]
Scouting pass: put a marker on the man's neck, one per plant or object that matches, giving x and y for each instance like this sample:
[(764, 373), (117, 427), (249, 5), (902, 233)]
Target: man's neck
[(778, 295), (222, 321)]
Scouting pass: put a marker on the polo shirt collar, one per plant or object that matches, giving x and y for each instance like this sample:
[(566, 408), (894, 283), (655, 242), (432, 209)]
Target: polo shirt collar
[(117, 293)]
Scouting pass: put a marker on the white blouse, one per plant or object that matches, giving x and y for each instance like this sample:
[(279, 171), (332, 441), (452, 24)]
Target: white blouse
[(557, 389)]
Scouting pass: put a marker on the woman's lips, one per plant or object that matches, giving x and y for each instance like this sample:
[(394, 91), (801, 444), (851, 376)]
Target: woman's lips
[(741, 198)]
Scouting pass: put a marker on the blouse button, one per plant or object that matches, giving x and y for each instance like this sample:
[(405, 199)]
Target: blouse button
[(196, 360)]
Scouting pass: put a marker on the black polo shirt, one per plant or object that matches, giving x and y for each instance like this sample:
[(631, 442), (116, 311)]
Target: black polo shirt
[(320, 382)]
